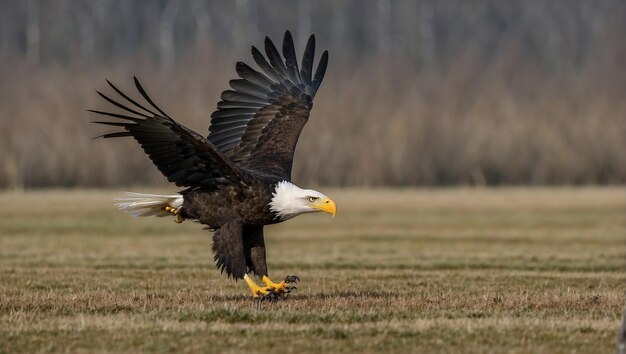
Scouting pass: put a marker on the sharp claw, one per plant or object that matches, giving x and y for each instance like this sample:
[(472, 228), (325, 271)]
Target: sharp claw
[(292, 279), (274, 294)]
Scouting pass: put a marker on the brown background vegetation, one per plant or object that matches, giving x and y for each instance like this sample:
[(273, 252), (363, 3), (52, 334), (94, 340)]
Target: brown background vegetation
[(417, 93)]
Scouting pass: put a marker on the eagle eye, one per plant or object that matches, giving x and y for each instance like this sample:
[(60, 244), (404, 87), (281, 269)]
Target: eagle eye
[(312, 199)]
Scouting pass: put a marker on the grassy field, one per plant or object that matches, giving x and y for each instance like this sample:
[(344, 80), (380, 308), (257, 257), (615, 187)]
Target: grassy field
[(452, 270)]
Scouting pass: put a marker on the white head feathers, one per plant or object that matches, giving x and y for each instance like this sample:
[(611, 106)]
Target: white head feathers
[(290, 200)]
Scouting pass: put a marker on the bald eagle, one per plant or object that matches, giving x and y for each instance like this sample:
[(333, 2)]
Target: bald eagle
[(238, 178)]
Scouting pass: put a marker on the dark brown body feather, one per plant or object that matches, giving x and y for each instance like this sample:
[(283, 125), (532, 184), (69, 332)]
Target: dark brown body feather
[(249, 203), (231, 174)]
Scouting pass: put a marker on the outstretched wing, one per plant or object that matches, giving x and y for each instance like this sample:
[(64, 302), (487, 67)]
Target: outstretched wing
[(183, 156), (258, 122)]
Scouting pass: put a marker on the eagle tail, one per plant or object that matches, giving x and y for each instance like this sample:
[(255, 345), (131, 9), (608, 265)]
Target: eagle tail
[(140, 204)]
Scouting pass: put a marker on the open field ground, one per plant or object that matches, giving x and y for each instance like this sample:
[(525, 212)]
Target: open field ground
[(452, 270)]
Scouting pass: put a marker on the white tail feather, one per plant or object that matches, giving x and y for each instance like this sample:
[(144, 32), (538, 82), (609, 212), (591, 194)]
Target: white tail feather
[(140, 204)]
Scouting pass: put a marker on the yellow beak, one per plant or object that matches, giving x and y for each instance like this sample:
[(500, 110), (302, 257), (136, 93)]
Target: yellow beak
[(326, 205)]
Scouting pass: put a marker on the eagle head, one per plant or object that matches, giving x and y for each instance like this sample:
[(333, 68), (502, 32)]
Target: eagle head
[(289, 200)]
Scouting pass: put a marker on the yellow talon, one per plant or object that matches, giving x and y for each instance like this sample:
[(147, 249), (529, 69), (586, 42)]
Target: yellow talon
[(271, 291), (257, 291), (177, 218), (276, 287)]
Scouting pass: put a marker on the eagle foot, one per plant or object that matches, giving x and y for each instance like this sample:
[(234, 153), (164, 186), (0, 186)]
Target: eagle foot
[(284, 287), (272, 292), (175, 211)]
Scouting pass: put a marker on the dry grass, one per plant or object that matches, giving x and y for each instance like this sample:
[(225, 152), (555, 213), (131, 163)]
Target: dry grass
[(452, 270)]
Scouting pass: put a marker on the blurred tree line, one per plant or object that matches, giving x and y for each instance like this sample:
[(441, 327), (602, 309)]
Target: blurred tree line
[(426, 92)]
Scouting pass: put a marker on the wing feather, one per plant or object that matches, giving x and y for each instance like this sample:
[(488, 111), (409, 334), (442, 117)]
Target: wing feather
[(255, 77), (270, 71), (129, 99), (307, 61), (119, 105), (230, 112), (147, 98), (237, 96), (183, 156), (257, 124), (291, 63), (248, 87), (321, 70), (235, 104), (275, 60)]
